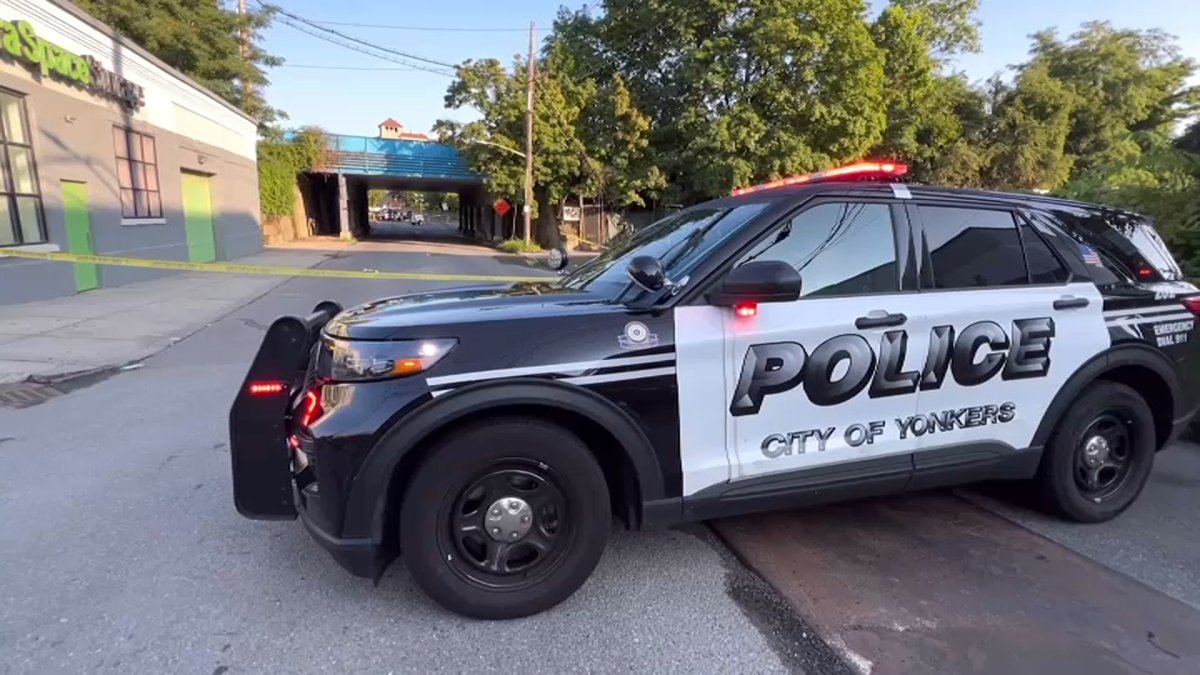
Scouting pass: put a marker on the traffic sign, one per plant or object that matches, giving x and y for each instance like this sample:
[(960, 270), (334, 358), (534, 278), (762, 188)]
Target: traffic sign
[(502, 207)]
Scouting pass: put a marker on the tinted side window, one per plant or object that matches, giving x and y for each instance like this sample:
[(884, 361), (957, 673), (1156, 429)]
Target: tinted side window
[(1044, 266), (973, 248), (838, 249)]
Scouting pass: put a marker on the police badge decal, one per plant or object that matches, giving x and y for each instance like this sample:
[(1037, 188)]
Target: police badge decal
[(637, 336)]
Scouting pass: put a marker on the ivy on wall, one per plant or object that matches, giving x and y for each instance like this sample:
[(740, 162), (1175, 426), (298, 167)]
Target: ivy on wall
[(281, 160)]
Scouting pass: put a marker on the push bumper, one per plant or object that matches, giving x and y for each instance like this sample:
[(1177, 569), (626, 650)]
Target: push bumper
[(267, 485), (258, 420)]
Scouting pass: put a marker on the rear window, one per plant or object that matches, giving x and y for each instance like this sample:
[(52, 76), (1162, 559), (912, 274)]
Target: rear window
[(1123, 241), (1146, 239)]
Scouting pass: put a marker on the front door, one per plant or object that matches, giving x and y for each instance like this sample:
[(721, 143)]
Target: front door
[(198, 218), (79, 233), (1010, 330), (820, 381)]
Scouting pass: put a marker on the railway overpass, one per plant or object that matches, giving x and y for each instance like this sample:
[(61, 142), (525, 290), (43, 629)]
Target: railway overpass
[(337, 197)]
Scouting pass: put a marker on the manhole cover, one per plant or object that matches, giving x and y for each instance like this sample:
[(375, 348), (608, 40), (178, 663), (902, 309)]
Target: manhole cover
[(26, 394)]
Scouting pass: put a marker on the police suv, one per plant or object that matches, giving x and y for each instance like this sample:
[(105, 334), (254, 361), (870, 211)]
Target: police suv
[(820, 338)]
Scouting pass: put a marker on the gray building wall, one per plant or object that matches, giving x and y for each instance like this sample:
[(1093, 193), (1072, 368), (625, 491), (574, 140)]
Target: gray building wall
[(72, 141)]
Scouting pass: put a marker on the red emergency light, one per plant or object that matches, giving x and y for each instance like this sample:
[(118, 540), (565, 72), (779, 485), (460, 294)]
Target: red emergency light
[(856, 170), (267, 388)]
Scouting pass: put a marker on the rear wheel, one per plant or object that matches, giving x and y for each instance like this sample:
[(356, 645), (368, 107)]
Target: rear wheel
[(1100, 456), (505, 519)]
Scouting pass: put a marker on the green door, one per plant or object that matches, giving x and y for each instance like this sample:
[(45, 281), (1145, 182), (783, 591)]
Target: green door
[(197, 218), (79, 233)]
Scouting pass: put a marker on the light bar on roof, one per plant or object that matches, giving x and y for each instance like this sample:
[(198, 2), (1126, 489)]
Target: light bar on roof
[(858, 169)]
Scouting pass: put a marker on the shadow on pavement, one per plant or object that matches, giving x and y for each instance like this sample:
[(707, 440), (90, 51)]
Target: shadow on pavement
[(930, 583)]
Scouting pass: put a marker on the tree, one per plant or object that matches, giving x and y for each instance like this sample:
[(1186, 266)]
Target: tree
[(201, 39), (947, 26), (1189, 140), (910, 71), (739, 92), (620, 166), (1031, 124), (1126, 83), (490, 144), (589, 137)]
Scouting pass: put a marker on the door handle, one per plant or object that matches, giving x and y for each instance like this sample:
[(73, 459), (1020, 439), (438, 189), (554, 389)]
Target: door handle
[(1070, 302), (878, 318)]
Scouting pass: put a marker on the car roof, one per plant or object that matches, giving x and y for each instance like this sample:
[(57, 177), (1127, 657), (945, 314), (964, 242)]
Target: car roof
[(877, 188)]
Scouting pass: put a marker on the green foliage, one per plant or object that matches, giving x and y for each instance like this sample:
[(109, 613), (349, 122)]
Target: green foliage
[(947, 26), (202, 39), (620, 167), (1031, 123), (1163, 182), (518, 246), (1120, 83), (281, 160), (680, 101)]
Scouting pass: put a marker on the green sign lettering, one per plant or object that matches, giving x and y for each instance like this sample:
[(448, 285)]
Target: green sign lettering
[(20, 43)]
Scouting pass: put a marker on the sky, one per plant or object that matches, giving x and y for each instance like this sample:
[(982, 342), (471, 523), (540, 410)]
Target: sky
[(350, 92)]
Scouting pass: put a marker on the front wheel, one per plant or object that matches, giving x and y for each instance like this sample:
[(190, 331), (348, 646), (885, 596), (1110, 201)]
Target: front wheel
[(505, 519), (1100, 456)]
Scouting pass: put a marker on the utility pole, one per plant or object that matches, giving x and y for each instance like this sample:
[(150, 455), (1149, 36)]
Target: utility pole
[(529, 135), (245, 33)]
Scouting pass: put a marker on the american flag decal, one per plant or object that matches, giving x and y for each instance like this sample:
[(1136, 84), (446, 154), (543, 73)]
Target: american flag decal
[(1090, 256)]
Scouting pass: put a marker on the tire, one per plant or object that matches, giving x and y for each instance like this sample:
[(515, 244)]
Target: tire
[(448, 524), (1069, 480)]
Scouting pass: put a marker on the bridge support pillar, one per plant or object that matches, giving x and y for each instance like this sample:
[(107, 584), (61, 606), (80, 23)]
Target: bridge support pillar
[(343, 208)]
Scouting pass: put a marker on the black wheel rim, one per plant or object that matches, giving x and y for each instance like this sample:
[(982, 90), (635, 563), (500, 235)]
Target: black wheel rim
[(508, 528), (1104, 456)]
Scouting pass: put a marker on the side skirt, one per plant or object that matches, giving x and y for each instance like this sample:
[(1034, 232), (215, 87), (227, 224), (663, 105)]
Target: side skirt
[(938, 467)]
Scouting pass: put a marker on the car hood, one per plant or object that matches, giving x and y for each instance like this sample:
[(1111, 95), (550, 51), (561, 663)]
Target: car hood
[(405, 315)]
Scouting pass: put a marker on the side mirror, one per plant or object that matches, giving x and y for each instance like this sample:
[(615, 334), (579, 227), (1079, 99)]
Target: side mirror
[(757, 281), (647, 272)]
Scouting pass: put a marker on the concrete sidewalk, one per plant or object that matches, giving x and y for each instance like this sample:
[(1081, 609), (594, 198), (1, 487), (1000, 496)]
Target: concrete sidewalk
[(52, 340)]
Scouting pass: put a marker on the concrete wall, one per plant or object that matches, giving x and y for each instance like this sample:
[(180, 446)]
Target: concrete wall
[(72, 141)]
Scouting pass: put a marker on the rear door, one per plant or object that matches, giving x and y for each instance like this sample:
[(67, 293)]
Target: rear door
[(815, 383), (1007, 328)]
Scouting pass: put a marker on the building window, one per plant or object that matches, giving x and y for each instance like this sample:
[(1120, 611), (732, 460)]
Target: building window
[(137, 173), (21, 219)]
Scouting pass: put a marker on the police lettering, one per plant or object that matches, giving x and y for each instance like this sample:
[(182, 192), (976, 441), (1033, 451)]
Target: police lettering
[(977, 354)]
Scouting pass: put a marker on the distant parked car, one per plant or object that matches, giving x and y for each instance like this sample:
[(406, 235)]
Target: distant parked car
[(417, 218)]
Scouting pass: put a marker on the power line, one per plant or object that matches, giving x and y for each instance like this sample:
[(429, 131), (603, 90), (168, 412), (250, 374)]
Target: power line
[(436, 29), (279, 10), (298, 65), (357, 48)]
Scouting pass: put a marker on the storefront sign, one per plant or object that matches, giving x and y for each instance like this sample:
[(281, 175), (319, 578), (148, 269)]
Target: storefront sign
[(21, 43)]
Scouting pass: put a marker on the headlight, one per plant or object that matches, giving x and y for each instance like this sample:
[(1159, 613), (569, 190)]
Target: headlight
[(357, 361)]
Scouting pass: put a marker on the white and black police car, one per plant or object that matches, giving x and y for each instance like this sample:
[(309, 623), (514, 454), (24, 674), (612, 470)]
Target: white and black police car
[(820, 338)]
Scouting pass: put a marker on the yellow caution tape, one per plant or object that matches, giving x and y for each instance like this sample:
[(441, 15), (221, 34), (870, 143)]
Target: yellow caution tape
[(233, 268), (602, 247)]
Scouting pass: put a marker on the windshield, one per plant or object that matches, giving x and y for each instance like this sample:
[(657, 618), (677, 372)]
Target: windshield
[(678, 242)]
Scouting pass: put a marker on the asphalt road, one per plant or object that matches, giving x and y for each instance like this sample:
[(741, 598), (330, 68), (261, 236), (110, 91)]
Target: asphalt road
[(120, 549)]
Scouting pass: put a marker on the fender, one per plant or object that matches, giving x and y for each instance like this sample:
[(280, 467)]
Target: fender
[(366, 504), (1115, 357)]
